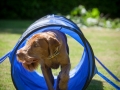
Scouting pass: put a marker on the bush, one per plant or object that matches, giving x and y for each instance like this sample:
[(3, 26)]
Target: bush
[(34, 9), (92, 17)]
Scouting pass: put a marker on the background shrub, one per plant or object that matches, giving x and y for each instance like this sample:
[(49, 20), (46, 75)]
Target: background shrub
[(34, 9)]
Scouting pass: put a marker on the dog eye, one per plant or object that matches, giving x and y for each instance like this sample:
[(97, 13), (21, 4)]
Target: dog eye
[(36, 45)]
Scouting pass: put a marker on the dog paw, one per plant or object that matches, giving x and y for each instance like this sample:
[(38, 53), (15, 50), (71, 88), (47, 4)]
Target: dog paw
[(63, 84)]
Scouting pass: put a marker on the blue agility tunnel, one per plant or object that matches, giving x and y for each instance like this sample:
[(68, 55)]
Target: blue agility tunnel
[(80, 76)]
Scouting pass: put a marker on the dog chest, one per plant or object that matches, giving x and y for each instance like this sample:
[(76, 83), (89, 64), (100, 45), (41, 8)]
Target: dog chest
[(52, 63)]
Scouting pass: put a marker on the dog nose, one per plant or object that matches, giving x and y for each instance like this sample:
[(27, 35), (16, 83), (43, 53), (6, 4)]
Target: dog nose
[(19, 54)]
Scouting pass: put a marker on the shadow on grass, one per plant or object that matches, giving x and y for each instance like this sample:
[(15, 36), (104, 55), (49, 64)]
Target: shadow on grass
[(95, 85), (14, 26), (12, 30)]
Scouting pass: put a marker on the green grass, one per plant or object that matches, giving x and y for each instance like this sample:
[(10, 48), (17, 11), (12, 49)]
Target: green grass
[(105, 44)]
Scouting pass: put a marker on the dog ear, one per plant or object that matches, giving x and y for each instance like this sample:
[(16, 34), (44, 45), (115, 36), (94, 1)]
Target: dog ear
[(53, 45)]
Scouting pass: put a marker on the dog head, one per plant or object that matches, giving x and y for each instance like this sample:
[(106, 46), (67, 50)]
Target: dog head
[(39, 47)]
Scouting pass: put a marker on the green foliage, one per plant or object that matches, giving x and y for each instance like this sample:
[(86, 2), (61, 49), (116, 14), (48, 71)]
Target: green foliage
[(78, 11), (95, 13), (92, 17), (34, 9)]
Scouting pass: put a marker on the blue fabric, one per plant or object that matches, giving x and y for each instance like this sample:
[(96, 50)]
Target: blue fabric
[(80, 76), (107, 70), (4, 57), (109, 81)]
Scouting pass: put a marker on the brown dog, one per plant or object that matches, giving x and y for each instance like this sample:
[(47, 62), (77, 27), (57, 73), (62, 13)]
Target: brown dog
[(50, 50)]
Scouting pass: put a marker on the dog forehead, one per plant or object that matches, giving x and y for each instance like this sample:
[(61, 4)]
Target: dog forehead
[(32, 39), (36, 37), (40, 35)]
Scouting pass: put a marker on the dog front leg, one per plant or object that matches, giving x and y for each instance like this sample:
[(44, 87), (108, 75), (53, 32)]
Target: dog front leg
[(63, 78), (48, 76)]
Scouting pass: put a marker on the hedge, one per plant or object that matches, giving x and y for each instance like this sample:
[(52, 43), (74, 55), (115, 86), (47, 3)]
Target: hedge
[(34, 9)]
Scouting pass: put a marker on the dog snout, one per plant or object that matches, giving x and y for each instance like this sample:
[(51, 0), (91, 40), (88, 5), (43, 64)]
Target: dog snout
[(19, 54)]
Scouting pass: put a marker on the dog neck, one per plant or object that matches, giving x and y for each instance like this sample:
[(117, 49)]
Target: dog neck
[(55, 53)]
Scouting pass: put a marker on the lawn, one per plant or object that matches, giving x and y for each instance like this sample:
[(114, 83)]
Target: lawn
[(105, 44)]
